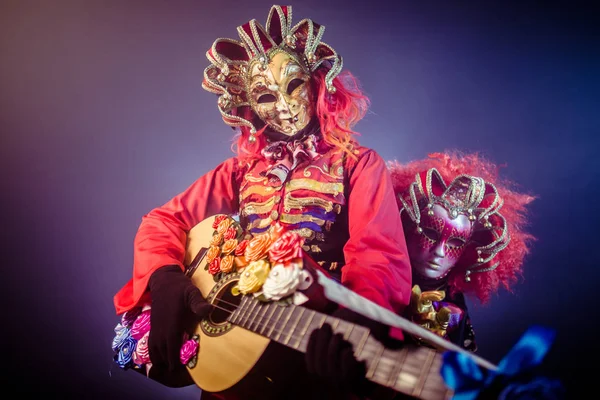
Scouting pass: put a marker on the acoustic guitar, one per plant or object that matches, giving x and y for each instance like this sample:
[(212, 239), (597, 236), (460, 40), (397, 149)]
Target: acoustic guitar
[(237, 334)]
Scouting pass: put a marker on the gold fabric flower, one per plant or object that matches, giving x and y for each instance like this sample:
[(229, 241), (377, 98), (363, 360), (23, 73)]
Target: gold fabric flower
[(254, 276)]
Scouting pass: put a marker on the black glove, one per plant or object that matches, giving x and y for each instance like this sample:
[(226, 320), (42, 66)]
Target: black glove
[(331, 360), (176, 303)]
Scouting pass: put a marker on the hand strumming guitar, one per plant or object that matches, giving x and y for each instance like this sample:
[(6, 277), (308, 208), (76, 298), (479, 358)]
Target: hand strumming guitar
[(175, 301)]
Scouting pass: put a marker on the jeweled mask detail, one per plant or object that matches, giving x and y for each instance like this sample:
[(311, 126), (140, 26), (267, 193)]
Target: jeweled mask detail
[(235, 65), (280, 92), (468, 197)]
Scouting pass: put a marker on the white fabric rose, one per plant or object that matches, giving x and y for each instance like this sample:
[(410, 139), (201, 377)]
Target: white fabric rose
[(282, 281)]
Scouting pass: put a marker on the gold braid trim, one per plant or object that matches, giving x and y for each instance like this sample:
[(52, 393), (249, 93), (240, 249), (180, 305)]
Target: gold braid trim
[(252, 208), (336, 171), (260, 223), (257, 189), (309, 234), (294, 219), (296, 202), (316, 186)]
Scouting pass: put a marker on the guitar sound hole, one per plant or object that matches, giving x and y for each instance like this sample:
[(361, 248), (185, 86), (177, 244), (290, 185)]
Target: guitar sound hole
[(226, 303)]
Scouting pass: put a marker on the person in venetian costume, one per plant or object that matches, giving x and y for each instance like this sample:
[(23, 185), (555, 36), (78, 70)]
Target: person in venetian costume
[(298, 166), (465, 229)]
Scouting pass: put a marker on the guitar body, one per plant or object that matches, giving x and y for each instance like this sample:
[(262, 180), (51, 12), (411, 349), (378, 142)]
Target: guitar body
[(250, 349), (232, 360), (227, 357)]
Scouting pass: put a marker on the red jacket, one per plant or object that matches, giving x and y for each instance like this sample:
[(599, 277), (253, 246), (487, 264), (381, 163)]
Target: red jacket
[(344, 207)]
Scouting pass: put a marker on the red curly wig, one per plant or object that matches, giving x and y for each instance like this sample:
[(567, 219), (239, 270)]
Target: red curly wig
[(510, 260), (337, 113)]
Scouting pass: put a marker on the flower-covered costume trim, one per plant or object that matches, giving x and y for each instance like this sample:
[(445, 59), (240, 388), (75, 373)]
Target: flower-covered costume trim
[(130, 343)]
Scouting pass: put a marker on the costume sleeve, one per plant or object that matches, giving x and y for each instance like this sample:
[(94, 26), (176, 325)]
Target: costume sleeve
[(377, 265), (161, 237)]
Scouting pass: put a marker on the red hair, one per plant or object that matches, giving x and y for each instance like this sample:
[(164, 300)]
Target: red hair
[(510, 260), (338, 113)]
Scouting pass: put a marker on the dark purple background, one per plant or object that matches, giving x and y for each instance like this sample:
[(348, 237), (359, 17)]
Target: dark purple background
[(103, 118)]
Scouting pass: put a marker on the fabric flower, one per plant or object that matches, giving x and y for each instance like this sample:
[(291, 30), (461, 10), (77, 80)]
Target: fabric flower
[(253, 277), (215, 266), (212, 253), (141, 355), (218, 220), (240, 263), (122, 333), (286, 248), (223, 226), (227, 264), (258, 247), (125, 354), (141, 326), (282, 281), (229, 246), (189, 349), (129, 317), (216, 240), (241, 248), (230, 233)]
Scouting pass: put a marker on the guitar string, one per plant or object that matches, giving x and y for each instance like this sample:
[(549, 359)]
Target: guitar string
[(370, 346), (275, 330), (254, 313), (228, 303), (260, 306)]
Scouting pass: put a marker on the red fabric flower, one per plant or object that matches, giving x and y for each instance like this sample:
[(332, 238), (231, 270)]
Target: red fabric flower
[(286, 248), (215, 266), (241, 248), (218, 220), (230, 233)]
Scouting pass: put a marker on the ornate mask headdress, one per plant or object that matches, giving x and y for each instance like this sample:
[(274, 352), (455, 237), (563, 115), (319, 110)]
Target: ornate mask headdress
[(233, 61), (467, 195)]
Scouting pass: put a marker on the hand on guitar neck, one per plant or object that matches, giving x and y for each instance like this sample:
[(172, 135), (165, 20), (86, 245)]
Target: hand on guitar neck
[(331, 360)]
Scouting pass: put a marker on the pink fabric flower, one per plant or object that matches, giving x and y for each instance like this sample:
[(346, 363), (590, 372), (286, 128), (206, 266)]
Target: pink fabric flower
[(286, 248), (188, 351), (215, 266), (141, 355), (141, 326), (241, 248), (218, 220), (230, 233)]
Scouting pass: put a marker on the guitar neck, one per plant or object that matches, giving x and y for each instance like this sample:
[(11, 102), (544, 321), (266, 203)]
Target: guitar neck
[(412, 370)]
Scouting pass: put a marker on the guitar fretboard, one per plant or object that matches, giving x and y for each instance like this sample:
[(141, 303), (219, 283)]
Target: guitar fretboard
[(412, 370)]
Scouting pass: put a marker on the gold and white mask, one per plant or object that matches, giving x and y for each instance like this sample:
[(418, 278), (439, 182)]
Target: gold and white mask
[(280, 93), (267, 72)]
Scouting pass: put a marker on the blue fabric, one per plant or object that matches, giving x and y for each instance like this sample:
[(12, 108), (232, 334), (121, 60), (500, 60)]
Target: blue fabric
[(467, 380)]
